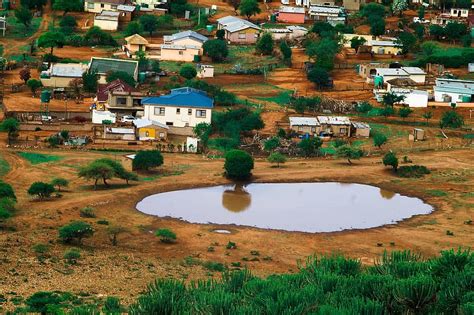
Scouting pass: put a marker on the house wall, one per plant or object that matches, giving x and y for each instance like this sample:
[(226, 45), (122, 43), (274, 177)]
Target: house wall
[(322, 2), (311, 130), (187, 41), (186, 55), (291, 17), (348, 37), (387, 50), (419, 78), (181, 119), (106, 25), (134, 48), (112, 101), (96, 7), (125, 17), (361, 133), (351, 5), (338, 130), (455, 97), (152, 133), (56, 82), (248, 36), (416, 100)]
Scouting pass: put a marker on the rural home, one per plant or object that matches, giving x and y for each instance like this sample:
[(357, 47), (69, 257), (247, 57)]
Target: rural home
[(348, 37), (413, 98), (360, 129), (182, 46), (150, 130), (103, 90), (119, 133), (352, 5), (337, 126), (416, 74), (369, 70), (291, 15), (133, 44), (238, 31), (325, 12), (413, 73), (97, 6), (460, 13), (453, 90), (292, 32), (385, 47), (60, 75), (400, 83), (126, 13), (107, 20), (125, 103), (305, 125), (183, 108), (103, 66), (205, 71)]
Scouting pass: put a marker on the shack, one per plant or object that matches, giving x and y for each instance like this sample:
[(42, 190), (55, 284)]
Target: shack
[(337, 126), (305, 125), (360, 129)]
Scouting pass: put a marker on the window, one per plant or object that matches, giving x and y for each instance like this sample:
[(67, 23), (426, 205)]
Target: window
[(90, 5), (190, 111), (121, 101), (102, 5), (343, 131), (162, 135), (169, 123), (241, 35), (159, 111), (147, 133), (201, 113), (300, 128), (180, 52), (178, 111), (137, 102)]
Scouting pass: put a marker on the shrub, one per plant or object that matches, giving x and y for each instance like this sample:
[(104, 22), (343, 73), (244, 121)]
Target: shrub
[(413, 171), (364, 107), (72, 255), (87, 212), (216, 49), (113, 233), (60, 182), (188, 72), (166, 235), (41, 301), (271, 144), (390, 159), (310, 146), (265, 44), (41, 190), (451, 119), (112, 306), (231, 245), (380, 139), (75, 231), (238, 164), (277, 158), (349, 153), (214, 266), (144, 160), (6, 191)]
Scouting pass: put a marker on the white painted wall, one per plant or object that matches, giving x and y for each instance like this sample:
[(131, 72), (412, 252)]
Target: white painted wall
[(186, 116)]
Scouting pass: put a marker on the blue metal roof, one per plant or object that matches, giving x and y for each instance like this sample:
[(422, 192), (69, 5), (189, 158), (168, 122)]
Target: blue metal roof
[(184, 97)]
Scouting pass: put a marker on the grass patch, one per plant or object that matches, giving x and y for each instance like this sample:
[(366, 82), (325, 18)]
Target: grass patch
[(4, 167), (437, 193), (38, 158), (281, 98), (179, 170)]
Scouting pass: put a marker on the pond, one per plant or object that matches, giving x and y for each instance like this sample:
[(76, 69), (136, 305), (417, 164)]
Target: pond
[(304, 207)]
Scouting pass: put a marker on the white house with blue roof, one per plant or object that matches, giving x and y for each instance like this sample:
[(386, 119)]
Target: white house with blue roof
[(183, 107)]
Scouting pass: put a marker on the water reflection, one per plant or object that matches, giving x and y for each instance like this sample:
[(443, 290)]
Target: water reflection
[(306, 207), (236, 200)]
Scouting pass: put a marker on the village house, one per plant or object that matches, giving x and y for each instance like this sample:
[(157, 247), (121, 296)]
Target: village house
[(352, 5), (412, 97), (103, 66), (454, 90), (291, 32), (153, 4), (326, 13), (146, 130), (125, 103), (336, 126), (238, 31), (134, 44), (60, 75), (305, 125), (291, 15), (322, 2), (183, 109), (182, 46), (460, 13), (414, 73), (107, 20), (360, 129), (385, 47), (97, 6), (369, 70), (103, 91)]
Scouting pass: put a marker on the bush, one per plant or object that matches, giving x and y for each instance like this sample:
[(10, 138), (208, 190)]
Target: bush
[(144, 160), (349, 153), (380, 139), (271, 144), (112, 306), (265, 44), (188, 72), (364, 107), (390, 159), (238, 164), (60, 182), (41, 301), (451, 119), (95, 36), (166, 235), (216, 49), (41, 190), (6, 191), (277, 157), (413, 171), (214, 266), (75, 231), (72, 255), (87, 212), (310, 146)]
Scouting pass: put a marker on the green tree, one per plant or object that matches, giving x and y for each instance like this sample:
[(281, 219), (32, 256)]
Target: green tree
[(60, 182), (51, 40), (238, 164), (451, 119), (188, 72), (119, 170), (166, 235), (68, 24), (398, 6), (249, 8), (11, 126), (178, 7), (319, 76), (216, 49), (41, 190), (379, 139), (323, 29), (96, 171), (149, 23), (419, 31), (356, 42), (75, 232), (390, 159), (121, 75), (220, 34), (427, 115), (144, 160), (276, 158), (24, 16), (132, 28), (364, 107), (404, 112), (421, 12), (34, 85), (429, 48), (310, 146), (373, 9), (377, 26), (95, 36), (466, 40), (437, 31), (271, 144), (323, 51), (455, 30), (114, 231), (391, 99), (6, 191), (407, 41), (265, 44), (67, 5), (40, 302), (286, 52), (203, 131), (90, 81), (348, 152)]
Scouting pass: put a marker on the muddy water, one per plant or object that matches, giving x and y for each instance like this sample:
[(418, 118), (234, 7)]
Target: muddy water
[(305, 207)]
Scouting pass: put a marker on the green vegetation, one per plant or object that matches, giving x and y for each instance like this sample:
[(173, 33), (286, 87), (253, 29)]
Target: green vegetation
[(38, 158), (87, 212), (41, 190), (16, 29), (348, 152), (75, 232), (72, 255), (105, 169), (277, 158), (310, 146), (390, 159), (451, 119), (413, 171), (216, 49), (238, 164), (166, 235), (60, 182), (144, 160), (249, 8), (4, 167), (188, 71), (265, 44), (437, 193)]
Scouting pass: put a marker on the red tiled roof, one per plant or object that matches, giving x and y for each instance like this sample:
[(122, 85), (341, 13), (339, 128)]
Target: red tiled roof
[(116, 85)]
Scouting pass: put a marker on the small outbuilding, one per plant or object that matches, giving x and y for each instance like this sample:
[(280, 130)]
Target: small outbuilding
[(205, 71), (291, 15), (107, 20), (150, 130), (337, 126), (305, 125), (360, 129)]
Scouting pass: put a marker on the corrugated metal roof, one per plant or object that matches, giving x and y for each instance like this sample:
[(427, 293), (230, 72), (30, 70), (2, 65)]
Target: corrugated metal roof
[(413, 70), (360, 125), (185, 97), (325, 9), (185, 34), (234, 24), (391, 71), (127, 131), (304, 121), (104, 65), (287, 9), (67, 70), (128, 8), (334, 120), (387, 43), (143, 122)]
